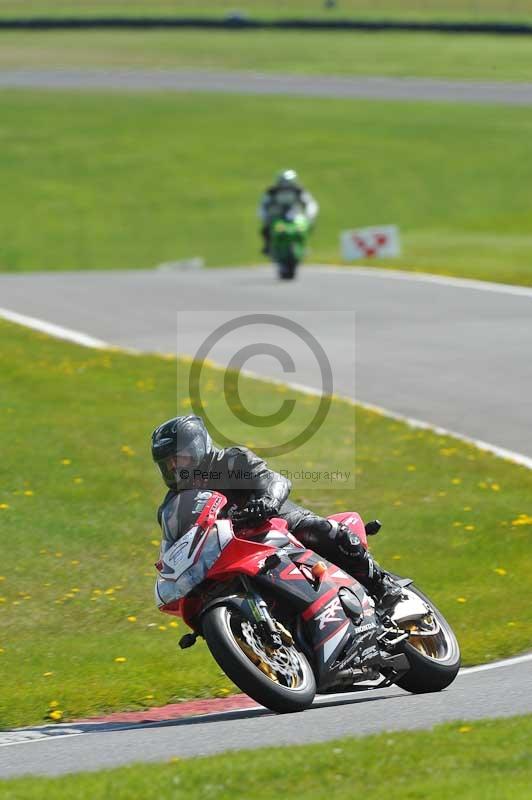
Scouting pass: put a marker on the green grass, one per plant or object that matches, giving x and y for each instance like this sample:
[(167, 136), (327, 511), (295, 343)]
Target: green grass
[(111, 180), (488, 760), (395, 54), (79, 538), (505, 10)]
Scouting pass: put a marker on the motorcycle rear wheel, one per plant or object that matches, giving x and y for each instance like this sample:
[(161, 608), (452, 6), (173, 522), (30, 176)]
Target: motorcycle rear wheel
[(434, 659), (280, 680)]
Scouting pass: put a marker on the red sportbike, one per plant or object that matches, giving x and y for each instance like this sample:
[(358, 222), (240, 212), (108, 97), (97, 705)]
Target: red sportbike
[(283, 623)]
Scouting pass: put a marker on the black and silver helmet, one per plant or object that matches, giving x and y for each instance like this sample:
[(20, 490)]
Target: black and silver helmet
[(179, 446), (287, 178)]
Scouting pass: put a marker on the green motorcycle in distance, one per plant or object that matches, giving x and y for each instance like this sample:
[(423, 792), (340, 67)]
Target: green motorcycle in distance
[(288, 241)]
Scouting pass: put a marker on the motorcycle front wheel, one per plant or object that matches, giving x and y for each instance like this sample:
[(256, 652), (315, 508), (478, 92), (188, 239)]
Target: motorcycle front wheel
[(280, 679), (287, 270), (432, 651)]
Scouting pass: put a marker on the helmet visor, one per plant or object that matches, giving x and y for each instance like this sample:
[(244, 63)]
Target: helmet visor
[(176, 469)]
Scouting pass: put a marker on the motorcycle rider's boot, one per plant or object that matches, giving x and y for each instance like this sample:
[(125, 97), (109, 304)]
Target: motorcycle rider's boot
[(380, 585), (386, 591)]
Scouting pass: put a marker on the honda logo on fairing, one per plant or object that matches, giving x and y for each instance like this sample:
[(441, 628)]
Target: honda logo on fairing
[(367, 627), (329, 613)]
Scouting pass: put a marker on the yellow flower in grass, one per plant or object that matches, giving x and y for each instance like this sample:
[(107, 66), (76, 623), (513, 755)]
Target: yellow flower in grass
[(469, 528), (465, 729), (78, 480), (411, 468), (448, 451), (174, 624), (56, 715), (120, 660), (66, 462), (4, 506), (223, 692), (54, 704), (47, 674), (461, 599), (456, 481), (500, 571), (127, 450), (28, 493), (522, 519), (131, 618)]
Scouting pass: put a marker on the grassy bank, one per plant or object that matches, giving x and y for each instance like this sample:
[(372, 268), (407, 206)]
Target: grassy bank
[(506, 10), (132, 180), (432, 55), (77, 508), (488, 760)]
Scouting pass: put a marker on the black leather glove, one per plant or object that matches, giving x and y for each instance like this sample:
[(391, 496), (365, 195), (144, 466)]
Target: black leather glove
[(349, 543), (254, 511)]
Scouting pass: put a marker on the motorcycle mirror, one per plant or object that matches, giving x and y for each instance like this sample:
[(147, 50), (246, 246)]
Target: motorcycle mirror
[(372, 528)]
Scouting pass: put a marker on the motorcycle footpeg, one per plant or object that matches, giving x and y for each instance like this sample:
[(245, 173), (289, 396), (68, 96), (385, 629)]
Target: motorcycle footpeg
[(188, 640)]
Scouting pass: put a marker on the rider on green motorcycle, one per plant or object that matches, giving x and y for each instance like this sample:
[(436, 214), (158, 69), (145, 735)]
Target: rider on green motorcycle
[(285, 195)]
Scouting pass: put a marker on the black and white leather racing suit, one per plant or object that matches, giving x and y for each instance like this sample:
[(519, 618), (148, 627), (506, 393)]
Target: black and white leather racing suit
[(241, 476)]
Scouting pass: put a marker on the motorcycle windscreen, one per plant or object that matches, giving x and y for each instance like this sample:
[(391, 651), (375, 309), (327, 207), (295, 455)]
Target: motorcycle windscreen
[(189, 560)]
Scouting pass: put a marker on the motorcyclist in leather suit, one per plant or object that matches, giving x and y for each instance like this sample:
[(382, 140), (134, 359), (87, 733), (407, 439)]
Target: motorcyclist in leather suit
[(285, 194), (187, 459)]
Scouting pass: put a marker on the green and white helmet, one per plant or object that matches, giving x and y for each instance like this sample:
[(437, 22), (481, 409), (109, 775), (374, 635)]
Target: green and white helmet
[(288, 177)]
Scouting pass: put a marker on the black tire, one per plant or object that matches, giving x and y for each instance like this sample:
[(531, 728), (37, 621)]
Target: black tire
[(287, 271), (241, 670), (431, 674)]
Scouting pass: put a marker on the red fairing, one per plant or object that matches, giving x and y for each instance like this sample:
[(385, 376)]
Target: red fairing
[(210, 510), (354, 521), (240, 557), (186, 608)]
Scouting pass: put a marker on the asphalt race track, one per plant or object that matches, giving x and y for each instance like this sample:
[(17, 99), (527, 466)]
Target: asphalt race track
[(499, 692), (451, 353), (454, 353), (255, 83)]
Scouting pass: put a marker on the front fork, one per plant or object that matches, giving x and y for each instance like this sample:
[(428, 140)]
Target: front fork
[(260, 613)]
